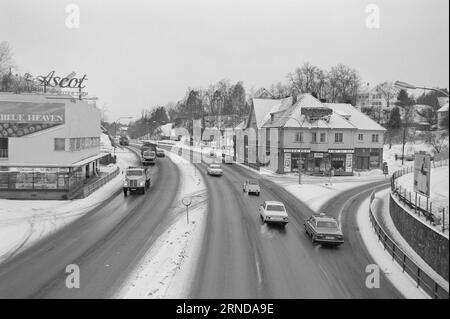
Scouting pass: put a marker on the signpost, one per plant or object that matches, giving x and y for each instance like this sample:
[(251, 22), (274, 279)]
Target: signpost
[(422, 165), (385, 170), (187, 201)]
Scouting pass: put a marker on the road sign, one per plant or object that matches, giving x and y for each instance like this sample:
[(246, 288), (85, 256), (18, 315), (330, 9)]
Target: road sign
[(187, 201)]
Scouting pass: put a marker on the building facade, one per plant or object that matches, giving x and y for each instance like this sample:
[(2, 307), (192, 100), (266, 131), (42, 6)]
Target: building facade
[(320, 138), (49, 145)]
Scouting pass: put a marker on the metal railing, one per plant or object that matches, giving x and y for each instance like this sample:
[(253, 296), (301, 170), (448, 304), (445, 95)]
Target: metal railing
[(419, 204), (422, 279), (89, 189)]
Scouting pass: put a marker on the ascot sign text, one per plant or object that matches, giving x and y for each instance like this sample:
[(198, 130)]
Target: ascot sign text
[(50, 80)]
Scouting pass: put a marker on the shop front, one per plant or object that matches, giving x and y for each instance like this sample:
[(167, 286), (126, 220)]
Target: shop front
[(368, 158), (318, 163), (294, 156), (341, 161)]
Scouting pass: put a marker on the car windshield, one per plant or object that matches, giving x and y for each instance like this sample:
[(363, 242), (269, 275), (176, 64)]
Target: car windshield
[(149, 153), (214, 166), (327, 224), (134, 173), (276, 208), (253, 182)]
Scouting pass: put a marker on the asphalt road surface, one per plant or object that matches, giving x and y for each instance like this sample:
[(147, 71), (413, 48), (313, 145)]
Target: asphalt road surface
[(106, 244), (243, 258)]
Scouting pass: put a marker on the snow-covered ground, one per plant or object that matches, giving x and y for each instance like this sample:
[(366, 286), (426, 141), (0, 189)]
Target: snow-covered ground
[(381, 210), (391, 269), (23, 222), (167, 269), (438, 192)]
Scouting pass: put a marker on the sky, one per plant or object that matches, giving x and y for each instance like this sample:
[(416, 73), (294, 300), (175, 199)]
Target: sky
[(140, 54)]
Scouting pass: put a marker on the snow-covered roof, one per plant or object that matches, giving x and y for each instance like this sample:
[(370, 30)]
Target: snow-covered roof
[(443, 109), (263, 107), (357, 118)]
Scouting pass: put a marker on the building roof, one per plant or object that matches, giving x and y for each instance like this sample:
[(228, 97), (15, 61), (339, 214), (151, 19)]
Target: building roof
[(263, 107), (355, 117), (342, 116), (444, 108)]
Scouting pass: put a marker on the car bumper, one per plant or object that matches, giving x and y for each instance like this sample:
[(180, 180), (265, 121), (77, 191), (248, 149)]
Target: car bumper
[(216, 173), (277, 220), (329, 241)]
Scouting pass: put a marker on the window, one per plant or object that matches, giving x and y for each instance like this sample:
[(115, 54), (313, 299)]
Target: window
[(323, 137), (360, 137), (299, 137), (338, 137), (60, 144), (374, 138), (3, 147), (313, 137)]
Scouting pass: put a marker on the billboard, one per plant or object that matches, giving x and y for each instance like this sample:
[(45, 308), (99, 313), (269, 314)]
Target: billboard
[(422, 168), (22, 118)]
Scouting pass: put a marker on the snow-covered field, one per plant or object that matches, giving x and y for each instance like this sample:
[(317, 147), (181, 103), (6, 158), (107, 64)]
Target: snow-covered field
[(167, 269), (23, 222), (439, 187)]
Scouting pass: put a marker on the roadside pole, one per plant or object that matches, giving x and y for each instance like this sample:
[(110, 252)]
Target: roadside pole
[(187, 201)]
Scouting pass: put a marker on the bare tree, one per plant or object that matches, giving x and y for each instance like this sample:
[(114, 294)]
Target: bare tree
[(6, 58), (439, 141), (343, 84)]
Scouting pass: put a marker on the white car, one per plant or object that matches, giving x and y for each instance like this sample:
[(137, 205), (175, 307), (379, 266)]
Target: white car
[(215, 170), (273, 212), (251, 186)]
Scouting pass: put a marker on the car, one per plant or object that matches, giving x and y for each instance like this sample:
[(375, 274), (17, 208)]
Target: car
[(251, 186), (160, 152), (324, 230), (273, 212), (215, 170)]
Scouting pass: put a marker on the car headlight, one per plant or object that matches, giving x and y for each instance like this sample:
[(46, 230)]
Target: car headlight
[(125, 184), (141, 183)]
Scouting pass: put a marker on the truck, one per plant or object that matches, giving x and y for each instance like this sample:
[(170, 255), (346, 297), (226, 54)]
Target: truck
[(148, 146), (136, 179), (149, 157), (251, 186), (123, 140)]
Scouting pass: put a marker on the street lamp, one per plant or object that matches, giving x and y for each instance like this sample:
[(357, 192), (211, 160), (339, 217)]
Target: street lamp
[(300, 143), (404, 85)]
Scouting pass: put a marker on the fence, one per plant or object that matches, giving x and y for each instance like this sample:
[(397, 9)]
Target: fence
[(425, 282), (418, 203), (88, 190)]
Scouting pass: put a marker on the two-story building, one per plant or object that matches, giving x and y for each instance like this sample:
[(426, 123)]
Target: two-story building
[(49, 145), (319, 137)]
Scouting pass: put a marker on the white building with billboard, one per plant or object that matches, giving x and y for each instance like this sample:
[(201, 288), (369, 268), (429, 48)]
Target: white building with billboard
[(49, 145)]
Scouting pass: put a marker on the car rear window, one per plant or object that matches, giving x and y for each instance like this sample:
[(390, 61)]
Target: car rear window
[(253, 182), (134, 173), (276, 208), (214, 166), (327, 224)]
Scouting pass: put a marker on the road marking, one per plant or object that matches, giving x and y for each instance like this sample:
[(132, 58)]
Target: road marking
[(258, 268)]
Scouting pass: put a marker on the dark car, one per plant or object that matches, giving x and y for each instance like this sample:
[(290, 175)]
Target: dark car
[(160, 152), (324, 230)]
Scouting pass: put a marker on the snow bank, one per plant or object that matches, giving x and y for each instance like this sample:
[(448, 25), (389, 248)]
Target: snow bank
[(168, 267), (23, 222), (390, 269)]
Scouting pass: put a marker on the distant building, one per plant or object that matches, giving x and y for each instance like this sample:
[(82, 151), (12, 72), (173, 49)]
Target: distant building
[(320, 136), (442, 114), (371, 101)]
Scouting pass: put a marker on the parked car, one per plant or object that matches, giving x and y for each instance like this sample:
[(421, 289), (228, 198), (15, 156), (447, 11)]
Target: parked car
[(251, 186), (136, 179), (215, 170), (124, 141), (273, 212), (160, 152), (148, 157), (324, 229)]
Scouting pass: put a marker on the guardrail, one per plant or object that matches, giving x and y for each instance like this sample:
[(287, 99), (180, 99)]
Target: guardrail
[(89, 189), (429, 285), (418, 203)]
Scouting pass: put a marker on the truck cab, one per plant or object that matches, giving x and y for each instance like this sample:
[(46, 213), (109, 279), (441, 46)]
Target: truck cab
[(136, 179), (148, 157)]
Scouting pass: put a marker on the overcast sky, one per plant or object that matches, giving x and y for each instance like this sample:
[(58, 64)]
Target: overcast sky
[(139, 54)]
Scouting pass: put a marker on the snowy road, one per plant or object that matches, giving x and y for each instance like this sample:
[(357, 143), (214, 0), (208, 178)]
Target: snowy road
[(106, 244), (243, 258)]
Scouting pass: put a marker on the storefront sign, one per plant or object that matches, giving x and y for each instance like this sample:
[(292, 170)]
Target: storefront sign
[(349, 163), (50, 80), (340, 151), (287, 162), (318, 155), (296, 150)]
